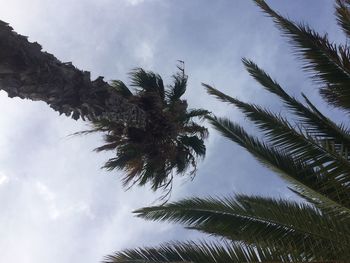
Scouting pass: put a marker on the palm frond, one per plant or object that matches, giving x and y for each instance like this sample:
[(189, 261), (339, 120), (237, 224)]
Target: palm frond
[(147, 81), (343, 15), (322, 202), (250, 215), (296, 172), (178, 88), (195, 129), (280, 133), (196, 113), (261, 222), (125, 154), (312, 119), (330, 62), (194, 143), (201, 252)]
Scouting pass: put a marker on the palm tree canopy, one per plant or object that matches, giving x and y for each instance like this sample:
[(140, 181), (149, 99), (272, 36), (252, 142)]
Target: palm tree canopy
[(171, 141), (311, 153)]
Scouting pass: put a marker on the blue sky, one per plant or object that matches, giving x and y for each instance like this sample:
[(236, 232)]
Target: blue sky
[(56, 204)]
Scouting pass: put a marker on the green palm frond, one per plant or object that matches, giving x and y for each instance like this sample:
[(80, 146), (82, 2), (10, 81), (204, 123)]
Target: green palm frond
[(330, 62), (312, 119), (199, 113), (260, 222), (147, 81), (195, 129), (322, 202), (193, 142), (343, 15), (178, 88), (280, 133), (125, 154), (298, 173), (202, 252)]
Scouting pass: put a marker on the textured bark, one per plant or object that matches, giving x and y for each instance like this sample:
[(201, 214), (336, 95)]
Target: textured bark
[(29, 73)]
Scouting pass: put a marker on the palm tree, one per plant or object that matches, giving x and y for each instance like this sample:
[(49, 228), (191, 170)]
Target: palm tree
[(312, 154), (153, 132)]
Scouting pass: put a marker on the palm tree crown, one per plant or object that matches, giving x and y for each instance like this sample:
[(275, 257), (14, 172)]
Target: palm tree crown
[(169, 143), (313, 156)]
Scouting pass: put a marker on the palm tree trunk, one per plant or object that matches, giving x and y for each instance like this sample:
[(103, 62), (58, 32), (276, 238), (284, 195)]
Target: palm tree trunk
[(29, 73)]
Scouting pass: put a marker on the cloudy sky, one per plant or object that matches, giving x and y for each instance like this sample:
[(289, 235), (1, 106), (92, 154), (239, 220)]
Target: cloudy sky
[(56, 204)]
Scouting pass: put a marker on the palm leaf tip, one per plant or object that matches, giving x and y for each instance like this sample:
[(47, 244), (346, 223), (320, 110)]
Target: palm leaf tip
[(178, 88), (263, 78), (343, 15)]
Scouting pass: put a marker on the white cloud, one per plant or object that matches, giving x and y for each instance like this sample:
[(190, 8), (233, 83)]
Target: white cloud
[(59, 208), (43, 191), (3, 179), (144, 53), (49, 198), (135, 2)]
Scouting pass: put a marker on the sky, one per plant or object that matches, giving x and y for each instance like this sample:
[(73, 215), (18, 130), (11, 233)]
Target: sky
[(57, 205)]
